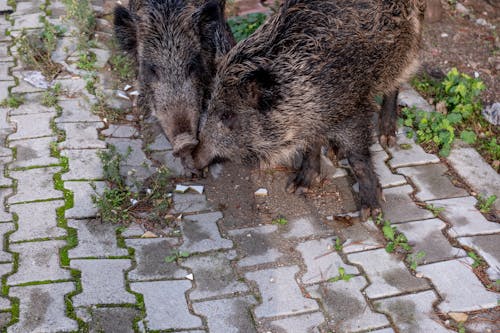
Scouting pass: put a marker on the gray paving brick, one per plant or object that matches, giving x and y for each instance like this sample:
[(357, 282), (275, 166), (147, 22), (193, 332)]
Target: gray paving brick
[(432, 183), (413, 313), (346, 306), (213, 275), (460, 289), (4, 215), (160, 142), (120, 131), (383, 330), (272, 284), (109, 319), (230, 315), (28, 21), (42, 309), (402, 156), (190, 203), (24, 87), (464, 217), (150, 254), (304, 227), (488, 248), (387, 273), (201, 233), (32, 126), (33, 152), (95, 239), (4, 92), (103, 282), (257, 245), (173, 163), (76, 110), (4, 181), (400, 207), (31, 108), (83, 206), (321, 260), (409, 97), (4, 70), (37, 220), (133, 230), (123, 145), (427, 236), (39, 179), (83, 164), (385, 175), (81, 136), (5, 228), (304, 323), (362, 236), (38, 261), (166, 306)]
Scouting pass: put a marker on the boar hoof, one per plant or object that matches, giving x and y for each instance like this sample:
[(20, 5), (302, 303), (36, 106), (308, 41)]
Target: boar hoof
[(366, 212), (387, 141)]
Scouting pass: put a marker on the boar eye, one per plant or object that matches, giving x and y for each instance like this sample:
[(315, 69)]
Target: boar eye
[(151, 71)]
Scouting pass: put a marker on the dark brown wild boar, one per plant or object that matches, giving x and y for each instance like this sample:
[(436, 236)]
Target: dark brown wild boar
[(308, 78), (176, 45)]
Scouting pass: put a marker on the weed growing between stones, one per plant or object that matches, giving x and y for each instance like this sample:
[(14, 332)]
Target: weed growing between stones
[(415, 258), (177, 257), (50, 96), (82, 14), (280, 220), (13, 101), (86, 61), (342, 276), (486, 204), (435, 210), (395, 239), (123, 66)]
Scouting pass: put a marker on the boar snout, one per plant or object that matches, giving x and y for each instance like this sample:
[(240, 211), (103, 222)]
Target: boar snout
[(183, 145), (202, 156)]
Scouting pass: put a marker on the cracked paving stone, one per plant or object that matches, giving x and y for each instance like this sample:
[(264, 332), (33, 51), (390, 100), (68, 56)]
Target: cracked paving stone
[(488, 247), (5, 228), (103, 282), (304, 227), (32, 126), (464, 217), (412, 313), (83, 164), (310, 323), (108, 320), (201, 233), (386, 177), (214, 276), (76, 110), (459, 287), (83, 206), (280, 292), (190, 203), (427, 236), (40, 179), (38, 261), (81, 136), (387, 273), (120, 131), (231, 315), (4, 215), (407, 157), (362, 236), (346, 306), (42, 309), (150, 254), (400, 207), (95, 239), (37, 220), (33, 152), (432, 183), (166, 306), (257, 245), (322, 261)]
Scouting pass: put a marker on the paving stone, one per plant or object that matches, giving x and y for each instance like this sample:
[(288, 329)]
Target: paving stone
[(412, 313), (108, 320), (4, 54), (383, 330), (42, 309), (31, 108), (280, 292), (83, 164), (33, 152), (4, 89), (387, 273), (427, 236), (102, 57), (40, 179), (4, 181), (346, 306), (76, 110), (460, 289), (230, 315), (385, 175), (5, 228), (4, 7), (133, 230), (304, 323), (136, 156), (432, 183), (362, 236), (4, 71), (95, 239), (103, 282), (160, 143), (304, 227), (488, 248), (410, 98), (24, 87), (464, 217), (400, 207), (66, 46), (120, 131), (173, 163), (38, 261), (166, 306), (321, 260), (213, 275), (150, 254), (83, 206), (257, 245), (201, 233), (190, 203), (37, 220), (81, 136), (74, 86), (4, 215), (27, 21), (415, 155), (475, 172), (32, 126)]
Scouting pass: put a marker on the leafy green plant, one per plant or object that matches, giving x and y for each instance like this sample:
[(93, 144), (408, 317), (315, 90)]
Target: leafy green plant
[(113, 204), (485, 204), (338, 244), (477, 261), (435, 210), (86, 61), (13, 101), (395, 239), (280, 221), (82, 13), (50, 96), (176, 256), (342, 276), (414, 259), (244, 26), (123, 66)]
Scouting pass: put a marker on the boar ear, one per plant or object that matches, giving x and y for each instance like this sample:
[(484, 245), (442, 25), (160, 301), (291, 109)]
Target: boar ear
[(261, 88), (125, 29), (208, 18)]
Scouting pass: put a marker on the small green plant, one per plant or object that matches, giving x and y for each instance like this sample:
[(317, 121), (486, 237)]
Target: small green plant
[(338, 245), (342, 276), (50, 96), (176, 256), (13, 101), (123, 66), (395, 239), (82, 14), (435, 210), (477, 261), (244, 26), (90, 85), (280, 220), (485, 204), (113, 204), (103, 110), (414, 259), (86, 61)]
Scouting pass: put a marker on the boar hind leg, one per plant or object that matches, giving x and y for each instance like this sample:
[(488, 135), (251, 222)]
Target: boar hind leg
[(308, 171), (388, 119)]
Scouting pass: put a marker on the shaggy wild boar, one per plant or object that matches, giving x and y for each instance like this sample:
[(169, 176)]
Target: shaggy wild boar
[(307, 78), (176, 44)]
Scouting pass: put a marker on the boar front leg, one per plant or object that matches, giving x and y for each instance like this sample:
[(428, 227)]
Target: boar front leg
[(309, 170), (388, 119)]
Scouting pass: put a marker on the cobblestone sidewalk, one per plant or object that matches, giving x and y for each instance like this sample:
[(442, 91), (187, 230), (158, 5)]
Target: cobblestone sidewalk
[(64, 271)]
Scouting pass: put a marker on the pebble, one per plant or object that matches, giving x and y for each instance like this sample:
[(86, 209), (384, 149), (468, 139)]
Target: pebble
[(190, 277), (261, 192)]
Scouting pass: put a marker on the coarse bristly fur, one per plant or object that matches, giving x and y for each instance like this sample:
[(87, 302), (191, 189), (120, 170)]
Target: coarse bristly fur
[(308, 77), (176, 45)]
